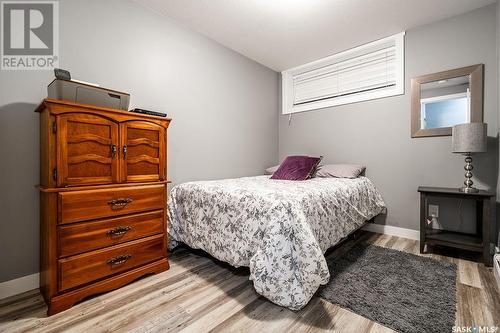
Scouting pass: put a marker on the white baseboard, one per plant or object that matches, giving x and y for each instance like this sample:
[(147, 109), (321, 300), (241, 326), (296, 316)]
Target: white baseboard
[(19, 285), (393, 231)]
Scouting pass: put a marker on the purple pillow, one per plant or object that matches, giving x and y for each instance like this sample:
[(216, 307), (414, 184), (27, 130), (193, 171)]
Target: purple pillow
[(297, 168)]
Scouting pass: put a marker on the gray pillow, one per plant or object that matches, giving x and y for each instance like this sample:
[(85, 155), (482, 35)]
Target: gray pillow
[(272, 169), (340, 170)]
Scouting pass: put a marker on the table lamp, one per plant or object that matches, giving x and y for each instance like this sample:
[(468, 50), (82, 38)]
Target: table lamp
[(468, 139)]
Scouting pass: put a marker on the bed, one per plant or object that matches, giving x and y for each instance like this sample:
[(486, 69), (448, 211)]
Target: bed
[(279, 229)]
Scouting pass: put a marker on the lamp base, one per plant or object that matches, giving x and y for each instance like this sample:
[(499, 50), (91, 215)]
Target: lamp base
[(468, 176), (468, 189)]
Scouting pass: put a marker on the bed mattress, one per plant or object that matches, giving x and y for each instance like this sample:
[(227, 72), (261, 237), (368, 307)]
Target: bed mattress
[(279, 229)]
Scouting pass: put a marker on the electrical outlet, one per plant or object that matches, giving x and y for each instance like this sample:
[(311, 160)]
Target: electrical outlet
[(434, 210)]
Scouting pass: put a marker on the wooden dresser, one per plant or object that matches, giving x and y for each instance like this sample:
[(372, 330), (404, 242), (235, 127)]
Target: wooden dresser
[(103, 179)]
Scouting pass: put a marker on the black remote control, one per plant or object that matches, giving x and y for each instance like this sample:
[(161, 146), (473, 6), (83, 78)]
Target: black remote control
[(151, 113)]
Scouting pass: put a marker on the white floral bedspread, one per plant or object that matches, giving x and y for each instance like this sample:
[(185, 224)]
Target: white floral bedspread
[(280, 229)]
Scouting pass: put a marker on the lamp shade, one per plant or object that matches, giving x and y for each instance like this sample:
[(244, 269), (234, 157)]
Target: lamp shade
[(469, 138)]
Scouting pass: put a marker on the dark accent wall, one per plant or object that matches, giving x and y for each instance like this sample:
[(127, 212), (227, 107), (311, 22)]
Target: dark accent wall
[(223, 105), (377, 133)]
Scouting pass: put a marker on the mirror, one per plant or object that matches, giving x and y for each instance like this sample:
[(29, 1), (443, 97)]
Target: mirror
[(445, 99), (445, 103)]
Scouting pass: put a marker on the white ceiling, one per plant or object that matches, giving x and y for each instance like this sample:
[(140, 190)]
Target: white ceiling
[(281, 34)]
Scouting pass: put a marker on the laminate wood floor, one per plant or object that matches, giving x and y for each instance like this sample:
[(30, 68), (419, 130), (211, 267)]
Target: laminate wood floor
[(200, 294)]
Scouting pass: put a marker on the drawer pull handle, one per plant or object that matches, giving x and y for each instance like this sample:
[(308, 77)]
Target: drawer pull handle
[(113, 151), (118, 231), (121, 202), (125, 152), (118, 260)]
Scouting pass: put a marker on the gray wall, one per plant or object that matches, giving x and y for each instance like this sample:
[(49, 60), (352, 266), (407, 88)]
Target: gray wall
[(223, 105), (377, 133), (224, 113), (498, 134)]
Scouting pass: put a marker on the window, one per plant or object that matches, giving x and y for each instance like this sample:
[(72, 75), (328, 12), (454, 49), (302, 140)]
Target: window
[(370, 71), (446, 110)]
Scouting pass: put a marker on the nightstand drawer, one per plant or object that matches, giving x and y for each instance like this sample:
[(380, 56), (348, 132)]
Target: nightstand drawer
[(95, 204), (88, 236), (84, 268)]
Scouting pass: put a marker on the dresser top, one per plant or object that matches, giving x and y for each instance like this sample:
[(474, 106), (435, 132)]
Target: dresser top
[(61, 102), (454, 191)]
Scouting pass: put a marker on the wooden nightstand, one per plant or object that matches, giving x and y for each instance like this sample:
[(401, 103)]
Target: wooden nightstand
[(485, 210)]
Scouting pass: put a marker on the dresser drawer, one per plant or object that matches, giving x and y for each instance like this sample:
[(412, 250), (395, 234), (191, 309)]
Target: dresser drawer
[(84, 268), (94, 204), (88, 236)]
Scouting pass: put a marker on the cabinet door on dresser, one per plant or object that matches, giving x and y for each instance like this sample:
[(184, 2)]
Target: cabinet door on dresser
[(87, 150), (143, 151)]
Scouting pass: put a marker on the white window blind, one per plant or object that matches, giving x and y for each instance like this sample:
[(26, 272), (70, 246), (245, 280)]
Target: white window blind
[(369, 71)]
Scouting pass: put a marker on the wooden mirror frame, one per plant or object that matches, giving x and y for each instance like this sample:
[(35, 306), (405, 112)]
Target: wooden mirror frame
[(476, 91)]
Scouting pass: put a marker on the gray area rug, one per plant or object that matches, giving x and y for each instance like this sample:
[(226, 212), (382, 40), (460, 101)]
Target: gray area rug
[(399, 290)]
